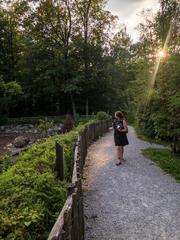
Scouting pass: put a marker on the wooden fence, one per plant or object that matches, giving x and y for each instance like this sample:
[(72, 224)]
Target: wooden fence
[(70, 223)]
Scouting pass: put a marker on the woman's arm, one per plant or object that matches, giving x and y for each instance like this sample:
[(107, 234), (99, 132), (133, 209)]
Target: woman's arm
[(125, 129), (113, 124)]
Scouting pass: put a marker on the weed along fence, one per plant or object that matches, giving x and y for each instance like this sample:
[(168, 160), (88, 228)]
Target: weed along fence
[(70, 223)]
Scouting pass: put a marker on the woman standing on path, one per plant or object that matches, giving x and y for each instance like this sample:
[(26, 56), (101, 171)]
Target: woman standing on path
[(120, 138)]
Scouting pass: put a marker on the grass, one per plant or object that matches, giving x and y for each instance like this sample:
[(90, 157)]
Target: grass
[(165, 159), (140, 134)]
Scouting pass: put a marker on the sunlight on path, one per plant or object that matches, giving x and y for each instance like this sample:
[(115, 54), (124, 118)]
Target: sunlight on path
[(135, 201)]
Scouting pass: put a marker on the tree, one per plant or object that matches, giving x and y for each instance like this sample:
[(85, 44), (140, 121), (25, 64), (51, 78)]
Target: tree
[(92, 22), (156, 85), (8, 91)]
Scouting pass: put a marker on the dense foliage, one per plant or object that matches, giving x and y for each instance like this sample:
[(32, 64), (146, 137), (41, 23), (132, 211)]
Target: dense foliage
[(31, 196), (61, 55), (102, 116), (156, 89)]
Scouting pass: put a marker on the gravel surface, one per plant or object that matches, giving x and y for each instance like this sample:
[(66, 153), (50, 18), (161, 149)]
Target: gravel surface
[(133, 201)]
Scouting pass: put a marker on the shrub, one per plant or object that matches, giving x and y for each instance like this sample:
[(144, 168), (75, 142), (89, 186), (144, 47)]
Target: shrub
[(102, 116), (5, 162), (43, 127), (31, 196)]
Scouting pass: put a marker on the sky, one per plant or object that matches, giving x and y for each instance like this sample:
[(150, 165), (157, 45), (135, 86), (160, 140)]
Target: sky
[(128, 12)]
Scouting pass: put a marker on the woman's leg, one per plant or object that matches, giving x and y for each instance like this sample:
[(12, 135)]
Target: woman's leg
[(119, 154), (117, 150), (122, 152)]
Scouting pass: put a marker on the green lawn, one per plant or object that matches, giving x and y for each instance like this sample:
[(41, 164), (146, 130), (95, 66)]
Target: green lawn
[(140, 134), (164, 158)]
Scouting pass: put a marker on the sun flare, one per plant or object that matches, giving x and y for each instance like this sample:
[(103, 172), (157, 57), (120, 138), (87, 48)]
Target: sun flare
[(161, 54)]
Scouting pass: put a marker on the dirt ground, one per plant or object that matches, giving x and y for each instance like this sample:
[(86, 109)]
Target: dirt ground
[(6, 138)]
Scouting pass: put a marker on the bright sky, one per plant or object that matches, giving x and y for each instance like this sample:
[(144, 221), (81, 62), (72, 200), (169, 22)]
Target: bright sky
[(128, 11)]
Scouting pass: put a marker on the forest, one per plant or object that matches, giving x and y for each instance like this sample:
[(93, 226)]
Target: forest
[(63, 57), (59, 57)]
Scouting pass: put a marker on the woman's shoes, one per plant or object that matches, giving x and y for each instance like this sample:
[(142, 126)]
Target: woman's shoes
[(122, 159), (119, 163)]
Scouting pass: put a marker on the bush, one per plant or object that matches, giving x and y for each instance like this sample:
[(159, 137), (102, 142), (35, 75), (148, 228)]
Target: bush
[(5, 162), (3, 120), (31, 196), (102, 116)]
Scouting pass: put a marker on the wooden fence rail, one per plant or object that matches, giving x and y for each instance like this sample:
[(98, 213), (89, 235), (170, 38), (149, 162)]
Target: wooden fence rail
[(70, 223)]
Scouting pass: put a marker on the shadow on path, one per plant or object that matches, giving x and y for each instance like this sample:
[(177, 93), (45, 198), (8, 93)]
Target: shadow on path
[(133, 201)]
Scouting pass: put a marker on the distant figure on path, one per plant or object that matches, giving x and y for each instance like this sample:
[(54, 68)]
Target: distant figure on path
[(120, 138), (68, 124)]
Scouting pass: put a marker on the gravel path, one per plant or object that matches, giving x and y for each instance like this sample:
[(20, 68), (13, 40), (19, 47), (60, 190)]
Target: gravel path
[(134, 201)]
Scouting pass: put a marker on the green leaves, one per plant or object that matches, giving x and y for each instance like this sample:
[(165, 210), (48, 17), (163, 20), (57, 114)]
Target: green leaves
[(10, 88), (102, 116), (8, 93), (156, 89), (31, 196)]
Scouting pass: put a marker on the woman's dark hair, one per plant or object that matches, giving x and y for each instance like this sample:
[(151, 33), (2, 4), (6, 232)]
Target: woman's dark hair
[(119, 114)]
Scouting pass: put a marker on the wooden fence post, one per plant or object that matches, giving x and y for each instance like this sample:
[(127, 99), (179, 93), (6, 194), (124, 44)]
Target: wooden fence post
[(59, 161)]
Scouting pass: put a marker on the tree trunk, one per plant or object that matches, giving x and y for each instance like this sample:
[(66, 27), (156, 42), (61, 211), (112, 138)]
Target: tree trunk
[(86, 58), (73, 107), (87, 107), (12, 57), (33, 103), (176, 144)]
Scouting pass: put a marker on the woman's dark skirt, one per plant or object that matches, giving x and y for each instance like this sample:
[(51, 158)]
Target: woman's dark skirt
[(120, 139)]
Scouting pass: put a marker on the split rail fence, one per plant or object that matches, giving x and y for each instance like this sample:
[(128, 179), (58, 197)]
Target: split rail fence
[(70, 223)]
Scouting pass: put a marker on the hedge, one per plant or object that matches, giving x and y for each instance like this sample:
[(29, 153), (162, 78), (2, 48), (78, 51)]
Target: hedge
[(31, 195)]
